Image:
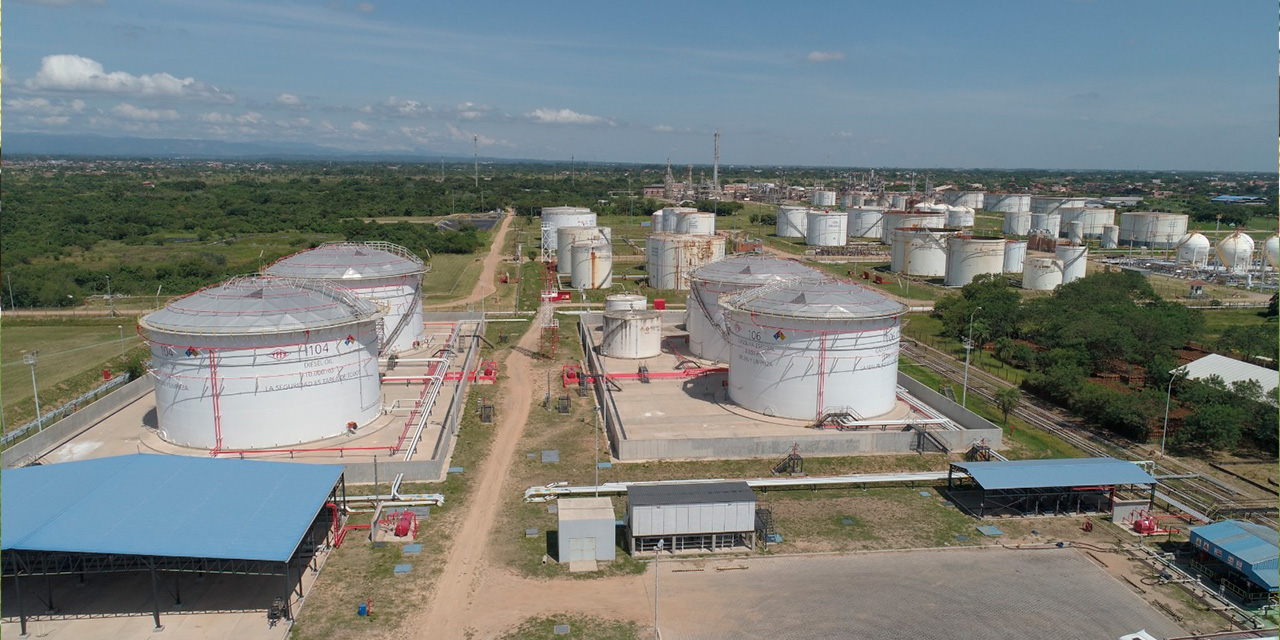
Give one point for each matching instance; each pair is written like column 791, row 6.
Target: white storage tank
column 802, row 348
column 920, row 251
column 656, row 225
column 1041, row 274
column 823, row 198
column 386, row 274
column 671, row 257
column 1093, row 219
column 262, row 362
column 1017, row 223
column 792, row 222
column 671, row 218
column 702, row 223
column 970, row 199
column 566, row 237
column 865, row 222
column 626, row 302
column 1047, row 222
column 704, row 315
column 898, row 219
column 931, row 207
column 1154, row 229
column 631, row 334
column 1015, row 253
column 592, row 265
column 1007, row 202
column 959, row 217
column 1110, row 236
column 897, row 201
column 971, row 256
column 1075, row 232
column 1236, row 252
column 555, row 217
column 826, row 228
column 1272, row 248
column 1194, row 250
column 1074, row 258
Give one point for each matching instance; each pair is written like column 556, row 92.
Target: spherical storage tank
column 970, row 256
column 865, row 222
column 625, row 302
column 826, row 228
column 261, row 361
column 701, row 223
column 898, row 219
column 959, row 217
column 592, row 265
column 1017, row 223
column 1015, row 253
column 555, row 217
column 1046, row 222
column 823, row 198
column 1041, row 274
column 386, row 274
column 1007, row 202
column 704, row 318
column 1194, row 250
column 631, row 334
column 919, row 251
column 1272, row 249
column 801, row 348
column 1152, row 228
column 671, row 257
column 1236, row 252
column 566, row 237
column 1074, row 259
column 792, row 222
column 1092, row 219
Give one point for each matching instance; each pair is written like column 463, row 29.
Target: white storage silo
column 1194, row 250
column 707, row 283
column 1047, row 222
column 919, row 251
column 1041, row 274
column 702, row 223
column 971, row 256
column 823, row 198
column 626, row 302
column 1017, row 223
column 826, row 228
column 959, row 217
column 802, row 348
column 1093, row 219
column 1075, row 232
column 555, row 217
column 970, row 199
column 1236, row 252
column 592, row 266
column 865, row 222
column 1154, row 229
column 892, row 220
column 386, row 274
column 671, row 257
column 1074, row 258
column 260, row 362
column 1110, row 236
column 1007, row 202
column 792, row 222
column 1272, row 250
column 1015, row 253
column 566, row 237
column 631, row 334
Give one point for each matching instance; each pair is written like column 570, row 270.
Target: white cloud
column 65, row 72
column 214, row 117
column 662, row 128
column 399, row 107
column 140, row 114
column 365, row 7
column 467, row 136
column 825, row 56
column 54, row 120
column 360, row 127
column 44, row 107
column 289, row 100
column 563, row 116
column 844, row 134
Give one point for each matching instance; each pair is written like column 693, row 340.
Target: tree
column 1250, row 340
column 1007, row 401
column 1213, row 427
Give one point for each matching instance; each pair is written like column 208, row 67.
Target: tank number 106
column 314, row 349
column 754, row 335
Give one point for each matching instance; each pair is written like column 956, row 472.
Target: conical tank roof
column 820, row 299
column 260, row 305
column 348, row 261
column 752, row 270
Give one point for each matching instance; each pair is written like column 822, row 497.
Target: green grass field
column 451, row 276
column 1218, row 320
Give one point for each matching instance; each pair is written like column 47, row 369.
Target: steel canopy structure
column 1049, row 486
column 1247, row 549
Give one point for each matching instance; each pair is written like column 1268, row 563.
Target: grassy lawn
column 925, row 328
column 580, row 628
column 451, row 276
column 1218, row 320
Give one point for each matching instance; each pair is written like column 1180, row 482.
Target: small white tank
column 792, row 222
column 566, row 237
column 897, row 201
column 592, row 265
column 631, row 334
column 899, row 219
column 671, row 217
column 1017, row 223
column 1110, row 236
column 1074, row 259
column 1194, row 250
column 919, row 251
column 1015, row 253
column 1041, row 274
column 1236, row 252
column 865, row 222
column 625, row 302
column 826, row 228
column 1272, row 249
column 959, row 217
column 1075, row 232
column 823, row 198
column 656, row 225
column 699, row 223
column 1047, row 222
column 970, row 256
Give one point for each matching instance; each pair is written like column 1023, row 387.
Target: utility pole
column 1168, row 395
column 121, row 328
column 158, row 296
column 476, row 158
column 968, row 347
column 10, row 277
column 30, row 359
column 656, row 551
column 715, row 169
column 110, row 302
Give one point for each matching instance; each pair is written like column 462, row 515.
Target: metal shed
column 1036, row 487
column 1241, row 556
column 587, row 529
column 696, row 515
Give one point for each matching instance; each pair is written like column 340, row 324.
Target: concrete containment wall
column 974, row 426
column 76, row 424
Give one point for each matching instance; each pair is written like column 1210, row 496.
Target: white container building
column 865, row 222
column 671, row 257
column 592, row 265
column 919, row 251
column 704, row 317
column 826, row 228
column 1155, row 229
column 1007, row 202
column 263, row 362
column 555, row 217
column 803, row 348
column 1015, row 254
column 792, row 222
column 1074, row 258
column 587, row 529
column 971, row 256
column 1041, row 274
column 631, row 334
column 705, row 516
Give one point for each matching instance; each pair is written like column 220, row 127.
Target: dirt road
column 484, row 286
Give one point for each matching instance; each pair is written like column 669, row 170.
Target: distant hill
column 103, row 146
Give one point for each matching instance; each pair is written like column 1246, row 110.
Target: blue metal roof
column 174, row 506
column 1065, row 472
column 1249, row 548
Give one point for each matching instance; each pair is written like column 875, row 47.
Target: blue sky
column 1053, row 84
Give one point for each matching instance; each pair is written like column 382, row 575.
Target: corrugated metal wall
column 684, row 519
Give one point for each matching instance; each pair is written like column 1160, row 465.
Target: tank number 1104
column 315, row 349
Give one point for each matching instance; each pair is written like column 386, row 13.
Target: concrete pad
column 582, row 566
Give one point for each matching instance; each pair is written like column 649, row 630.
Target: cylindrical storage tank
column 792, row 222
column 1017, row 223
column 626, row 302
column 919, row 251
column 1041, row 274
column 1110, row 236
column 1093, row 219
column 386, row 274
column 1007, row 202
column 260, row 362
column 1015, row 253
column 592, row 265
column 1194, row 250
column 671, row 217
column 1046, row 204
column 971, row 199
column 631, row 334
column 671, row 257
column 826, row 228
column 1075, row 232
column 566, row 237
column 846, row 200
column 1074, row 259
column 931, row 207
column 656, row 225
column 823, row 198
column 899, row 219
column 1272, row 250
column 705, row 317
column 803, row 348
column 1047, row 222
column 1154, row 229
column 970, row 256
column 555, row 217
column 1236, row 252
column 959, row 217
column 865, row 222
column 897, row 201
column 702, row 223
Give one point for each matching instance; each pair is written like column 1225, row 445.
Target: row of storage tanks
column 958, row 257
column 583, row 250
column 681, row 240
column 1235, row 252
column 287, row 356
column 797, row 343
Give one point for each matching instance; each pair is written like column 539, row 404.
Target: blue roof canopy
column 1249, row 548
column 1066, row 472
column 173, row 506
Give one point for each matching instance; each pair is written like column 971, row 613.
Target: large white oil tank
column 671, row 257
column 970, row 199
column 1015, row 253
column 1041, row 274
column 555, row 217
column 1194, row 250
column 971, row 256
column 702, row 223
column 1007, row 202
column 1017, row 223
column 704, row 316
column 656, row 225
column 865, row 222
column 826, row 228
column 823, row 198
column 1074, row 258
column 1272, row 250
column 1093, row 219
column 592, row 265
column 919, row 251
column 1048, row 222
column 899, row 219
column 566, row 237
column 959, row 217
column 1236, row 252
column 792, row 221
column 1110, row 236
column 386, row 274
column 626, row 302
column 671, row 218
column 803, row 348
column 846, row 200
column 261, row 362
column 1154, row 229
column 631, row 334
column 930, row 207
column 1075, row 232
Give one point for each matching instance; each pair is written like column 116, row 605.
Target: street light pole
column 111, row 303
column 656, row 551
column 968, row 346
column 1168, row 395
column 30, row 359
column 121, row 328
